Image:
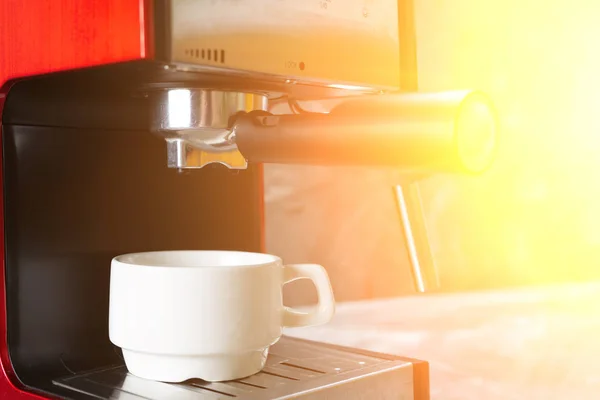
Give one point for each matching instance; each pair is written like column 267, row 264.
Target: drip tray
column 295, row 369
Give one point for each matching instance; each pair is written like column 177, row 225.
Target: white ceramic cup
column 211, row 315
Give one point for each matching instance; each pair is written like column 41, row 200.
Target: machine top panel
column 325, row 42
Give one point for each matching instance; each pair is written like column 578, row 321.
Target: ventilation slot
column 279, row 376
column 214, row 55
column 303, row 368
column 252, row 384
column 212, row 390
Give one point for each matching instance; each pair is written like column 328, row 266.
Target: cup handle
column 323, row 311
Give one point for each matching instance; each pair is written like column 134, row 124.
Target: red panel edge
column 39, row 37
column 147, row 32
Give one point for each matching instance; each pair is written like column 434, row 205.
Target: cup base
column 211, row 368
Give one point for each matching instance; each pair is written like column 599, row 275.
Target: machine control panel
column 353, row 43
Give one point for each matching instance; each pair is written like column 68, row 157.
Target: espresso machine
column 139, row 125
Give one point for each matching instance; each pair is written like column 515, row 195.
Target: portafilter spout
column 197, row 124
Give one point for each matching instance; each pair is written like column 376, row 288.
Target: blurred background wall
column 534, row 218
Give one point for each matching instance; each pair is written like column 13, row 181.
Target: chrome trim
column 197, row 124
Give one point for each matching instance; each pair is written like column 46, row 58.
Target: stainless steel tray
column 295, row 369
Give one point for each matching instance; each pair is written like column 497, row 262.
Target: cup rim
column 269, row 260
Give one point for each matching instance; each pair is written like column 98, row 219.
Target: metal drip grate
column 295, row 368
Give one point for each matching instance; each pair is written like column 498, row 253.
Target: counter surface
column 529, row 344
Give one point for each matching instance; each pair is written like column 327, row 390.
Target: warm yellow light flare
column 535, row 216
